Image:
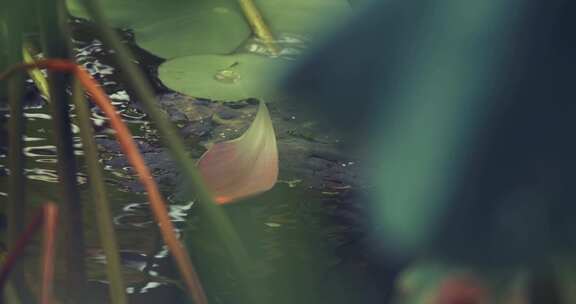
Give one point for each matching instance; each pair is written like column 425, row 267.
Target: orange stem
column 50, row 211
column 18, row 250
column 47, row 217
column 129, row 148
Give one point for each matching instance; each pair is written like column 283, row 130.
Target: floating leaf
column 243, row 166
column 303, row 17
column 179, row 28
column 227, row 78
column 213, row 27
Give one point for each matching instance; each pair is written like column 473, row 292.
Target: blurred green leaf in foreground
column 465, row 112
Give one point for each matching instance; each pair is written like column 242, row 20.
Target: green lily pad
column 217, row 77
column 303, row 17
column 178, row 28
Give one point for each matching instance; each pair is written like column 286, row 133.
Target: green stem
column 17, row 198
column 16, row 207
column 258, row 25
column 56, row 44
column 135, row 79
column 3, row 56
column 98, row 195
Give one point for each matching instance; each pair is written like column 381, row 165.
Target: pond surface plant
column 227, row 171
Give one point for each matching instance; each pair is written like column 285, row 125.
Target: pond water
column 306, row 234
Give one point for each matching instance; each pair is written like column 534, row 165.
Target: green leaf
column 243, row 166
column 179, row 28
column 418, row 78
column 224, row 232
column 100, row 198
column 225, row 78
column 213, row 27
column 303, row 17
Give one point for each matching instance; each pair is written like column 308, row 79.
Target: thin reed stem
column 56, row 44
column 211, row 212
column 50, row 217
column 259, row 26
column 18, row 249
column 130, row 149
column 100, row 199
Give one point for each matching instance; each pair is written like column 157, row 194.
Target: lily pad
column 179, row 28
column 217, row 77
column 303, row 17
column 213, row 27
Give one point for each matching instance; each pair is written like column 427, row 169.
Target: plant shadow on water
column 286, row 232
column 305, row 234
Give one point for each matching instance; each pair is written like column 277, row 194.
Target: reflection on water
column 291, row 45
column 290, row 237
column 40, row 151
column 45, row 175
column 288, row 231
column 136, row 232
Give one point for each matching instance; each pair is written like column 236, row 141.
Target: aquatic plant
column 206, row 42
column 55, row 40
column 45, row 218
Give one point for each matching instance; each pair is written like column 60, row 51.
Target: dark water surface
column 306, row 234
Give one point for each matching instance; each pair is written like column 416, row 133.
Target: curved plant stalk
column 258, row 25
column 139, row 85
column 129, row 147
column 98, row 195
column 50, row 218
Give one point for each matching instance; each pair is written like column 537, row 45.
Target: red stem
column 49, row 251
column 19, row 247
column 124, row 137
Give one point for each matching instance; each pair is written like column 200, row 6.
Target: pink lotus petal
column 243, row 166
